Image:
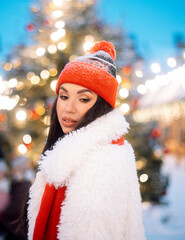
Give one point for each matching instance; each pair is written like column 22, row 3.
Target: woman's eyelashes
column 63, row 97
column 83, row 99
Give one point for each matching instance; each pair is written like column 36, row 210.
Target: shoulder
column 111, row 163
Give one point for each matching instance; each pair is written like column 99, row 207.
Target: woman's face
column 72, row 104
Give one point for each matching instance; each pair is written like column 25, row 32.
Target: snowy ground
column 167, row 222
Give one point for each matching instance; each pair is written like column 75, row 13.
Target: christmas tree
column 59, row 32
column 149, row 151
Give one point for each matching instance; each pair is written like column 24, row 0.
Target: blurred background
column 38, row 37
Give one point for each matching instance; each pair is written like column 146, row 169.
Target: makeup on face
column 72, row 104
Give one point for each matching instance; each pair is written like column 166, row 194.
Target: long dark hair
column 100, row 108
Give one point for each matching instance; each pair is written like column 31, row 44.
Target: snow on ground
column 167, row 221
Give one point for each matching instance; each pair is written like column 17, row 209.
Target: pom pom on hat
column 95, row 71
column 104, row 46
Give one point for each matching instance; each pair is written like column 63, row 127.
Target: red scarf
column 50, row 210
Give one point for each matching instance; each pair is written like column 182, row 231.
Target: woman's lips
column 68, row 122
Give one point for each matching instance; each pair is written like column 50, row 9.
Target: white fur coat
column 102, row 197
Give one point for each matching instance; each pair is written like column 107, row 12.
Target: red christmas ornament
column 34, row 115
column 30, row 27
column 2, row 117
column 134, row 103
column 46, row 22
column 126, row 70
column 156, row 132
column 166, row 150
column 29, row 145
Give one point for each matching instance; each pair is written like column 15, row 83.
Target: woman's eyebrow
column 65, row 90
column 85, row 90
column 80, row 91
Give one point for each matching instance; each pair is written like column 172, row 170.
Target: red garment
column 49, row 213
column 50, row 209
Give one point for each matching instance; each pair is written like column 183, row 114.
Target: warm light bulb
column 125, row 108
column 123, row 92
column 52, row 49
column 118, row 78
column 53, row 72
column 35, row 79
column 53, row 85
column 58, row 3
column 40, row 51
column 61, row 45
column 57, row 13
column 27, row 139
column 21, row 115
column 12, row 82
column 87, row 46
column 55, row 36
column 30, row 75
column 44, row 74
column 143, row 178
column 155, row 67
column 22, row 148
column 141, row 89
column 139, row 73
column 59, row 24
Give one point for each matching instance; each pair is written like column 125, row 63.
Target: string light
column 139, row 73
column 12, row 82
column 52, row 49
column 118, row 78
column 30, row 75
column 143, row 178
column 53, row 85
column 40, row 51
column 19, row 86
column 59, row 24
column 166, row 112
column 47, row 120
column 55, row 36
column 141, row 89
column 155, row 67
column 44, row 74
column 35, row 79
column 87, row 46
column 27, row 139
column 123, row 92
column 21, row 115
column 61, row 46
column 58, row 3
column 125, row 108
column 58, row 13
column 22, row 148
column 53, row 72
column 7, row 103
column 7, row 66
column 89, row 38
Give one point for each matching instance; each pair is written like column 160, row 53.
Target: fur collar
column 67, row 155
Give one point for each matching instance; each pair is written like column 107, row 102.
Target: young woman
column 86, row 187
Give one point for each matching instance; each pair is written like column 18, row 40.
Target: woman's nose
column 70, row 106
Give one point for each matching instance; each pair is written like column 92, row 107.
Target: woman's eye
column 63, row 97
column 85, row 100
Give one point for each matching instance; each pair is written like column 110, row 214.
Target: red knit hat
column 95, row 71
